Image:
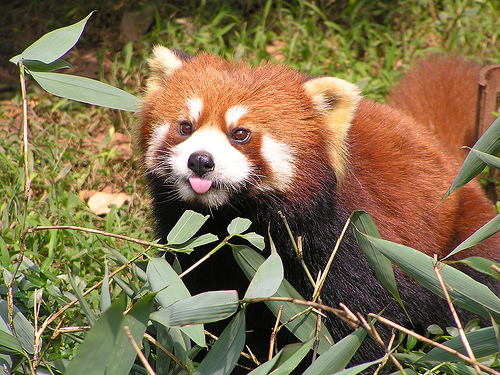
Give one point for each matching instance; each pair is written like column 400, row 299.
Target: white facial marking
column 155, row 145
column 234, row 113
column 195, row 106
column 280, row 158
column 231, row 168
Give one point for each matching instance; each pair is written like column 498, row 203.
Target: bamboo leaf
column 255, row 239
column 186, row 227
column 93, row 355
column 267, row 278
column 24, row 330
column 483, row 343
column 487, row 230
column 203, row 308
column 38, row 66
column 291, row 356
column 86, row 90
column 338, row 356
column 238, row 225
column 223, row 356
column 363, row 223
column 105, row 294
column 89, row 314
column 204, row 239
column 491, row 160
column 54, row 44
column 304, row 327
column 123, row 356
column 473, row 165
column 357, row 369
column 169, row 289
column 9, row 344
column 464, row 291
column 482, row 265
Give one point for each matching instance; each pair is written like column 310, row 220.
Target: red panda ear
column 337, row 100
column 162, row 63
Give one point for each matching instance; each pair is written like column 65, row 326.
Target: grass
column 76, row 148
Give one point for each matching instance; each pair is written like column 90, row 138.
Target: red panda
column 230, row 140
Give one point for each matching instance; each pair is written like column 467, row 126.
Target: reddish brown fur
column 399, row 172
column 441, row 94
column 225, row 85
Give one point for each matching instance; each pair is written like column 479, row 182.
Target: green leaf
column 87, row 310
column 267, row 279
column 10, row 345
column 203, row 308
column 487, row 230
column 363, row 223
column 338, row 356
column 93, row 355
column 136, row 320
column 24, row 330
column 38, row 66
column 204, row 239
column 238, row 225
column 482, row 265
column 186, row 227
column 464, row 291
column 169, row 288
column 473, row 165
column 255, row 239
column 268, row 366
column 86, row 90
column 305, row 326
column 291, row 355
column 491, row 160
column 357, row 369
column 482, row 341
column 165, row 282
column 53, row 45
column 105, row 294
column 223, row 356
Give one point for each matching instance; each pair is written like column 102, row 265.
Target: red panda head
column 209, row 128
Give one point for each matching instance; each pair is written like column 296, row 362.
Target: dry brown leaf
column 99, row 202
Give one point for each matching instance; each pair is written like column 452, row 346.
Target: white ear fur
column 162, row 63
column 337, row 100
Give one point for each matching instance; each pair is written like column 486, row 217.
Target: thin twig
column 274, row 333
column 250, row 356
column 151, row 339
column 456, row 318
column 54, row 316
column 319, row 285
column 138, row 351
column 436, row 344
column 208, row 255
column 298, row 248
column 100, row 232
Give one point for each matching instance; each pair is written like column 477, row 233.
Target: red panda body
column 230, row 140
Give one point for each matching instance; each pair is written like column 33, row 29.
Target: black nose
column 201, row 163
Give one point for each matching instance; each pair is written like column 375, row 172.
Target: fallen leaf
column 100, row 202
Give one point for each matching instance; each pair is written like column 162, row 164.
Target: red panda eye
column 241, row 135
column 185, row 127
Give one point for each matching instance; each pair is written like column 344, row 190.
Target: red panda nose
column 201, row 163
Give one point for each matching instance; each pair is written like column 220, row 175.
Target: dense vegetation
column 76, row 150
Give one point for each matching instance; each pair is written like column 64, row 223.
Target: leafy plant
column 47, row 269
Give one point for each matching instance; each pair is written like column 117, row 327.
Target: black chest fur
column 319, row 222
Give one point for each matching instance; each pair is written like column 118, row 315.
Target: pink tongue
column 200, row 185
